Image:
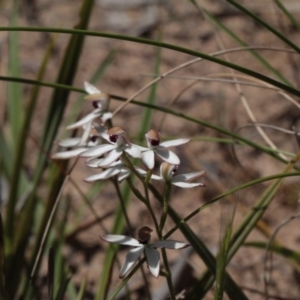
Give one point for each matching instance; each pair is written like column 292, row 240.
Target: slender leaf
column 163, row 45
column 265, row 24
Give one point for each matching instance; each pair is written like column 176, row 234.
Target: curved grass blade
column 254, row 53
column 281, row 250
column 288, row 14
column 163, row 45
column 265, row 24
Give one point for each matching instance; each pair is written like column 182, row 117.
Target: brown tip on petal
column 117, row 130
column 153, row 135
column 97, row 97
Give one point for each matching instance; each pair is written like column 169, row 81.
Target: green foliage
column 38, row 215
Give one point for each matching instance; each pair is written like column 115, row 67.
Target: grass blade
column 15, row 107
column 163, row 45
column 265, row 24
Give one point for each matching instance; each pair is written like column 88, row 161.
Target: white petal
column 70, row 142
column 93, row 163
column 173, row 143
column 130, row 260
column 101, row 130
column 111, row 157
column 153, row 260
column 148, row 159
column 106, row 116
column 121, row 239
column 169, row 244
column 68, row 154
column 142, row 148
column 87, row 119
column 85, row 134
column 133, row 151
column 124, row 173
column 141, row 171
column 155, row 177
column 98, row 150
column 104, row 175
column 167, row 156
column 188, row 176
column 90, row 89
column 187, row 185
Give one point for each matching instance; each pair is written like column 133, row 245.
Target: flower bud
column 115, row 133
column 153, row 138
column 167, row 171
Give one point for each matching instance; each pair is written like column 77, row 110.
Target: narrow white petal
column 167, row 156
column 68, row 154
column 85, row 134
column 148, row 159
column 155, row 177
column 169, row 244
column 111, row 157
column 98, row 150
column 142, row 148
column 141, row 171
column 70, row 142
column 90, row 89
column 187, row 176
column 130, row 260
column 103, row 175
column 93, row 163
column 153, row 260
column 121, row 239
column 124, row 173
column 87, row 119
column 187, row 185
column 106, row 116
column 133, row 151
column 173, row 143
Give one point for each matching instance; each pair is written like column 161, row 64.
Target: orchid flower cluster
column 109, row 149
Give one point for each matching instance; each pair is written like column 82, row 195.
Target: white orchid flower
column 119, row 143
column 73, row 142
column 116, row 168
column 167, row 172
column 100, row 103
column 155, row 146
column 142, row 245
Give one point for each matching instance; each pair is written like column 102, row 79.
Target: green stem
column 165, row 206
column 163, row 45
column 168, row 274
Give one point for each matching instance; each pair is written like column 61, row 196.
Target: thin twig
column 268, row 254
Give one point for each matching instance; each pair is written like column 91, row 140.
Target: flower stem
column 168, row 274
column 165, row 206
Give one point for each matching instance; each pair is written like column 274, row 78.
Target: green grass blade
column 281, row 250
column 2, row 262
column 81, row 293
column 288, row 14
column 112, row 248
column 146, row 119
column 17, row 173
column 265, row 24
column 254, row 53
column 15, row 101
column 163, row 45
column 232, row 289
column 51, row 272
column 66, row 76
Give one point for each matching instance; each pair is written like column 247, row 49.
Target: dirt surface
column 218, row 103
